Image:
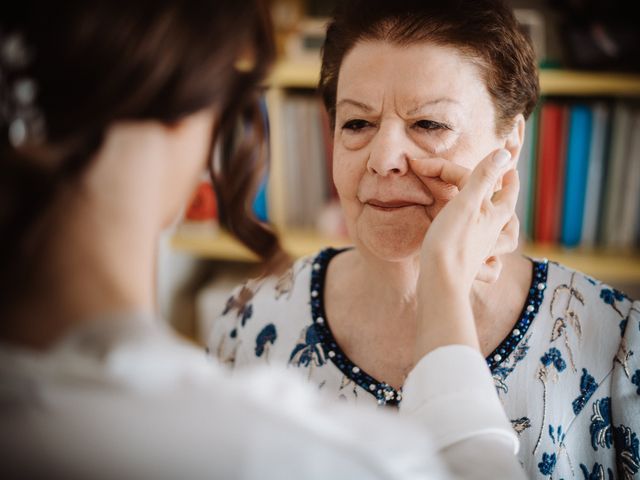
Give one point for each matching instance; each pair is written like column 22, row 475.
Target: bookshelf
column 622, row 267
column 286, row 75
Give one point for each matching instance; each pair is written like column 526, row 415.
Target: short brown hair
column 484, row 30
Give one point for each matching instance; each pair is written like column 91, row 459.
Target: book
column 631, row 189
column 575, row 184
column 614, row 191
column 598, row 153
column 292, row 169
column 526, row 165
column 551, row 148
column 532, row 184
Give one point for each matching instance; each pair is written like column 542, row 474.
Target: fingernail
column 502, row 157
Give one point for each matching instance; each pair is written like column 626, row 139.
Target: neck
column 390, row 282
column 100, row 260
column 393, row 286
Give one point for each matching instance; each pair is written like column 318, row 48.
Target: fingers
column 490, row 270
column 507, row 242
column 484, row 177
column 505, row 200
column 508, row 239
column 439, row 168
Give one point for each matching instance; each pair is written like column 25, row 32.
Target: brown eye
column 355, row 125
column 430, row 125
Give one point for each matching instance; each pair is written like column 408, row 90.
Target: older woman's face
column 395, row 103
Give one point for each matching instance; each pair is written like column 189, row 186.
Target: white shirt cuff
column 451, row 392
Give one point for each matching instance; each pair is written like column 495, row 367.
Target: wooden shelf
column 222, row 246
column 567, row 82
column 606, row 266
column 287, row 74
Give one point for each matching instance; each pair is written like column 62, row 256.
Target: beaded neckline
column 383, row 392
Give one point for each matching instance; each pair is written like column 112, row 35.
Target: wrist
column 444, row 313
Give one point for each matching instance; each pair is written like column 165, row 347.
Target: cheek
column 348, row 169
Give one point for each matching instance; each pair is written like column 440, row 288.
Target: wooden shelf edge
column 605, row 266
column 291, row 74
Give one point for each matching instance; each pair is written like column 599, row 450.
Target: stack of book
column 580, row 175
column 307, row 159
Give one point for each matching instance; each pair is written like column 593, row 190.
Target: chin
column 392, row 244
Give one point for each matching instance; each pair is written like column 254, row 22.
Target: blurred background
column 585, row 214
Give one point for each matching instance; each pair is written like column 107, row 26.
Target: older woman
column 407, row 83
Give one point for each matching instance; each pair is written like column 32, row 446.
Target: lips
column 391, row 204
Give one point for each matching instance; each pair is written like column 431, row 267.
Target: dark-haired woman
column 408, row 83
column 108, row 113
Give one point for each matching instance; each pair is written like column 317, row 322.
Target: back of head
column 485, row 31
column 69, row 72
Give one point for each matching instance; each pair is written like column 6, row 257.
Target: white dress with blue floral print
column 568, row 374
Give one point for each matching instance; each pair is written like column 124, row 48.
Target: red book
column 550, row 175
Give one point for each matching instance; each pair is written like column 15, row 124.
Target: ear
column 514, row 140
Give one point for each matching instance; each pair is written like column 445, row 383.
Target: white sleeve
column 451, row 426
column 450, row 393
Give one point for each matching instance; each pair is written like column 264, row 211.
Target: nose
column 390, row 150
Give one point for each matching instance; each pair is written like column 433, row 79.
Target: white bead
column 497, row 357
column 320, row 320
column 316, row 266
column 314, row 293
column 372, row 387
column 530, row 308
column 332, row 354
column 516, row 332
column 355, row 370
column 541, row 286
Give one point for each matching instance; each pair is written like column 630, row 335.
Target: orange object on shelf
column 203, row 205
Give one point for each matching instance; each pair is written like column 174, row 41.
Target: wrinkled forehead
column 375, row 71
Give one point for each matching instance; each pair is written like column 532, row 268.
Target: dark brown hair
column 485, row 31
column 97, row 62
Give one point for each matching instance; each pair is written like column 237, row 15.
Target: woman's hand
column 449, row 178
column 459, row 241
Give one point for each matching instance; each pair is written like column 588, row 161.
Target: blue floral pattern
column 547, row 464
column 627, row 456
column 553, row 357
column 267, row 335
column 600, row 427
column 309, row 350
column 568, row 373
column 596, row 473
column 588, row 386
column 635, row 379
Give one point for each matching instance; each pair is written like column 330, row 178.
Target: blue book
column 577, row 166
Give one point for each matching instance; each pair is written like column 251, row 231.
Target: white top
column 125, row 398
column 568, row 373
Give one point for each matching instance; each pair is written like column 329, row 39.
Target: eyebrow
column 432, row 102
column 367, row 108
column 360, row 105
